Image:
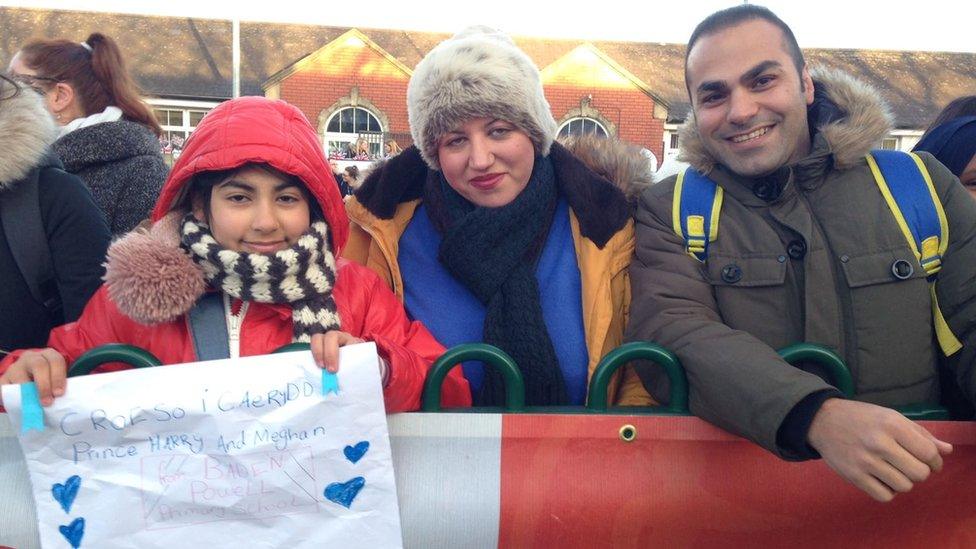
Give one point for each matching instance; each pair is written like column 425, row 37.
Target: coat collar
column 26, row 132
column 848, row 118
column 599, row 205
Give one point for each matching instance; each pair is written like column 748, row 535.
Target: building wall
column 326, row 81
column 629, row 111
column 583, row 82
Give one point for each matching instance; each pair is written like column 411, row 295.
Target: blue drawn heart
column 73, row 532
column 65, row 493
column 356, row 453
column 344, row 492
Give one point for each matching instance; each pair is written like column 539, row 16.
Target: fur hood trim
column 582, row 174
column 149, row 277
column 617, row 161
column 855, row 121
column 26, row 132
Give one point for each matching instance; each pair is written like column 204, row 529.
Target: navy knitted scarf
column 494, row 252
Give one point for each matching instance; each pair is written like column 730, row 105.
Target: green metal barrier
column 137, row 357
column 640, row 350
column 840, row 377
column 292, row 347
column 113, row 352
column 491, row 356
column 925, row 412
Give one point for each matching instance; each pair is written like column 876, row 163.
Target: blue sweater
column 455, row 316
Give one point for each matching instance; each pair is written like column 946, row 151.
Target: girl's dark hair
column 98, row 77
column 202, row 184
column 353, row 171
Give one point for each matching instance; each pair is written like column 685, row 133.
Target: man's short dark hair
column 736, row 15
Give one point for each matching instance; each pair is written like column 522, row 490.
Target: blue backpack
column 903, row 181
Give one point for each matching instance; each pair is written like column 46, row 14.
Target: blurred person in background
column 958, row 107
column 350, row 176
column 951, row 138
column 108, row 134
column 41, row 206
column 392, row 148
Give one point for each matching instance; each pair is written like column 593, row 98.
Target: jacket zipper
column 234, row 323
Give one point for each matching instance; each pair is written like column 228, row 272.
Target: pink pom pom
column 149, row 278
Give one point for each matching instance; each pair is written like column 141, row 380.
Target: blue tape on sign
column 30, row 406
column 330, row 383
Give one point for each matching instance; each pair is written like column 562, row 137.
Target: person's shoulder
column 53, row 181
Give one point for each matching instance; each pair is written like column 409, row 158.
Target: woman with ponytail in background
column 108, row 134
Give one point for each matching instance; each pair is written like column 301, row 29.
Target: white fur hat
column 478, row 72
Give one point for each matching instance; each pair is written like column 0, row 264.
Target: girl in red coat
column 249, row 216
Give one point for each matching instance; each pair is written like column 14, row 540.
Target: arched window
column 350, row 125
column 582, row 125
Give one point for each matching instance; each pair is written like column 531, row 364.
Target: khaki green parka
column 812, row 262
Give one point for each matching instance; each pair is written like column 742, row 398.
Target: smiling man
column 800, row 245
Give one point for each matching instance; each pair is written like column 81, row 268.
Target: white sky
column 935, row 25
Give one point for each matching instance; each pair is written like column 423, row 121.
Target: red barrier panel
column 571, row 481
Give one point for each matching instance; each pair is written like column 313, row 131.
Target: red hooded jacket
column 247, row 130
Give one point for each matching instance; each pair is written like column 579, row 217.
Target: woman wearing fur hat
column 492, row 233
column 249, row 222
column 50, row 205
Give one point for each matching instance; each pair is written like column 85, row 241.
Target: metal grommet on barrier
column 902, row 269
column 628, row 433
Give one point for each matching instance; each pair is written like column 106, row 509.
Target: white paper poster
column 245, row 453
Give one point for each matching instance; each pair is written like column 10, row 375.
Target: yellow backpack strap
column 695, row 212
column 907, row 188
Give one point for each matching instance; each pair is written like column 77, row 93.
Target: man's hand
column 875, row 448
column 46, row 368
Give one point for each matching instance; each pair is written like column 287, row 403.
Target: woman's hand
column 46, row 368
column 325, row 351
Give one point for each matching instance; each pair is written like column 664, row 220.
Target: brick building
column 351, row 83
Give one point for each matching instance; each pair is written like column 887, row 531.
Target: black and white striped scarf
column 302, row 275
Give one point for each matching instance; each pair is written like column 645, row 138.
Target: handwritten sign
column 248, row 453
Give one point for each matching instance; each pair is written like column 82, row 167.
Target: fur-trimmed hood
column 583, row 173
column 618, row 162
column 26, row 133
column 849, row 115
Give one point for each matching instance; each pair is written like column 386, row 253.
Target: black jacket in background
column 77, row 237
column 75, row 229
